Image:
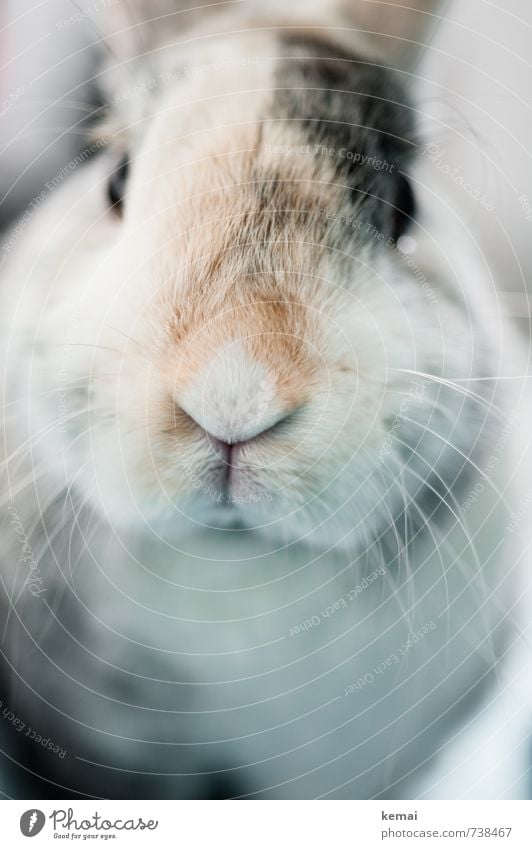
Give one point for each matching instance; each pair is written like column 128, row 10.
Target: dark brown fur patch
column 360, row 112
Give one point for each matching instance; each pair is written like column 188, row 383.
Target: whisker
column 459, row 451
column 450, row 385
column 117, row 330
column 469, row 544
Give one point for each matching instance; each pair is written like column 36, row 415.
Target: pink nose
column 228, row 448
column 227, row 425
column 234, row 399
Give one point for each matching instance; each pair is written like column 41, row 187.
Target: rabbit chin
column 278, row 514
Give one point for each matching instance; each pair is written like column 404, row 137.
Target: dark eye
column 116, row 187
column 405, row 208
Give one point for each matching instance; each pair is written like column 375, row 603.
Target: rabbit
column 258, row 466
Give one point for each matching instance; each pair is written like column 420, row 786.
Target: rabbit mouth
column 229, row 497
column 231, row 485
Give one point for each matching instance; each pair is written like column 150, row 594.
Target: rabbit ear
column 134, row 27
column 399, row 29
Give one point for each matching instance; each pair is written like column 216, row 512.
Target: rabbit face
column 245, row 316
